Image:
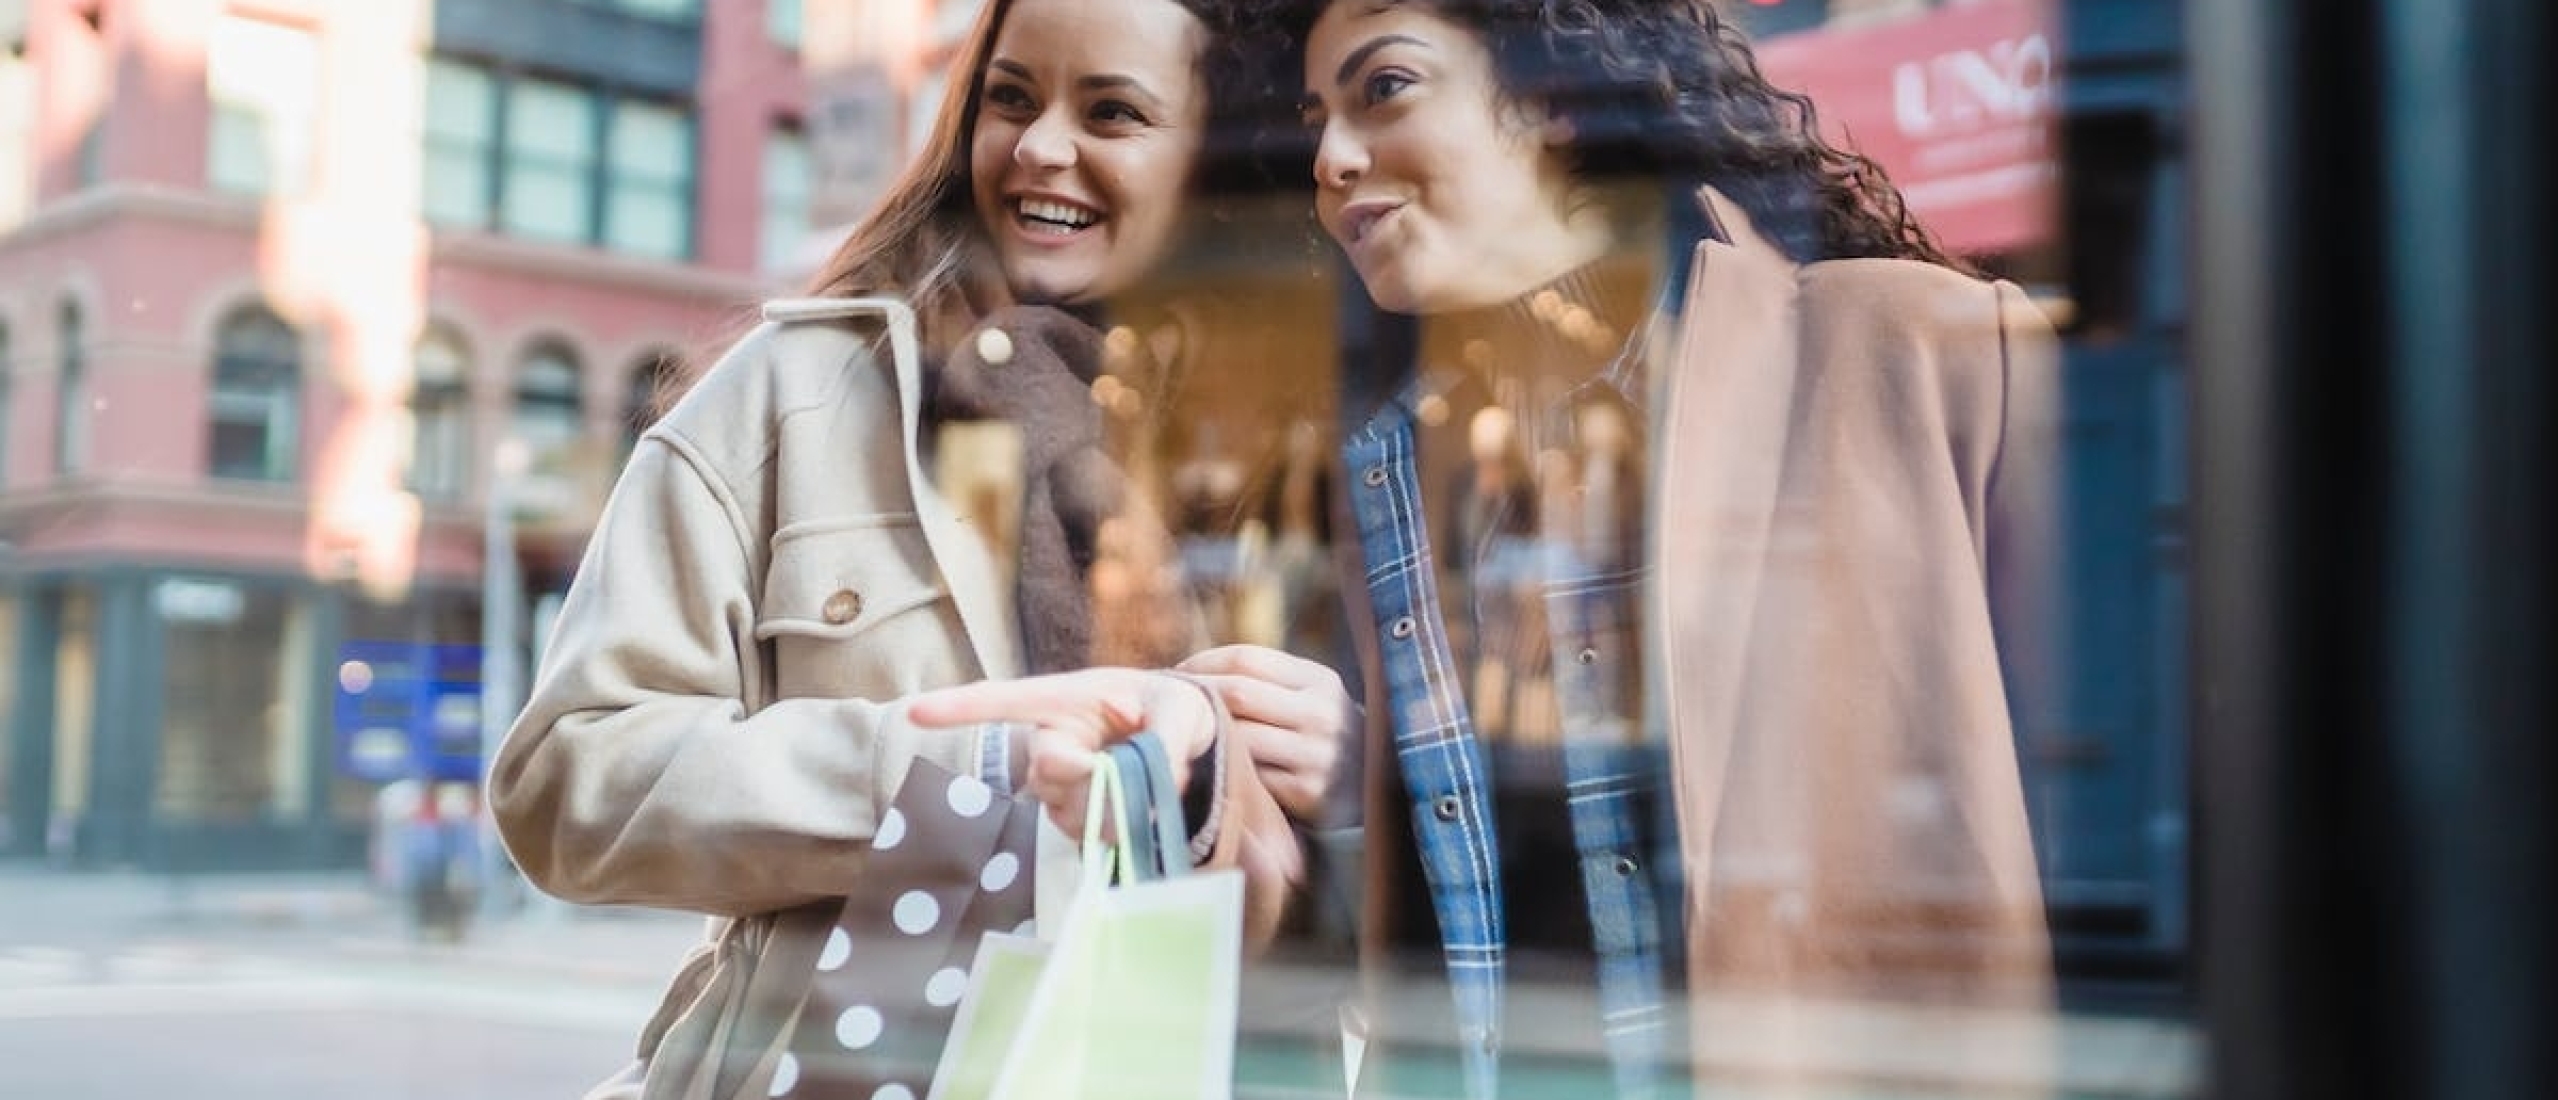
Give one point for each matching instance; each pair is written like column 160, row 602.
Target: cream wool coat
column 717, row 723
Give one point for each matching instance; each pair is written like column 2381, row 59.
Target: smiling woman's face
column 1087, row 128
column 1444, row 196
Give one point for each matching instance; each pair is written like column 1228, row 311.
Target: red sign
column 1957, row 105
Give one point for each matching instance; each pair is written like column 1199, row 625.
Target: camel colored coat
column 1853, row 531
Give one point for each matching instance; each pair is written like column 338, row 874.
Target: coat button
column 995, row 346
column 1402, row 627
column 843, row 607
column 1626, row 867
column 1446, row 808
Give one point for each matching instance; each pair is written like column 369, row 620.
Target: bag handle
column 1134, row 778
column 1162, row 838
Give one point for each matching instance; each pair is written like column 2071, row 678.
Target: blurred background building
column 296, row 296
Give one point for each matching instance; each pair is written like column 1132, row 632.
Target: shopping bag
column 951, row 862
column 1134, row 998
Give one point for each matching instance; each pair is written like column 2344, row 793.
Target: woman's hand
column 1069, row 716
column 1290, row 713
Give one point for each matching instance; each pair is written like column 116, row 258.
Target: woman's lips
column 1359, row 220
column 1044, row 216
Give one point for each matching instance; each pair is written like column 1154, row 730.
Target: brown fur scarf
column 1084, row 539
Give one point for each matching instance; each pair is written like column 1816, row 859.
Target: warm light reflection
column 347, row 252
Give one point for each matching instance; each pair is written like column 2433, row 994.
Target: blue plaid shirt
column 1592, row 607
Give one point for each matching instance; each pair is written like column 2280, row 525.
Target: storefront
column 183, row 719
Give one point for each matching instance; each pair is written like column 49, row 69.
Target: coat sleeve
column 637, row 774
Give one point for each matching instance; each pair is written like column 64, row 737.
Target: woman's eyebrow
column 1350, row 65
column 1126, row 85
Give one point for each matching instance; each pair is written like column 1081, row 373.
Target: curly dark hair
column 1666, row 89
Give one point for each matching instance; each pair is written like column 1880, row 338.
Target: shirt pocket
column 855, row 608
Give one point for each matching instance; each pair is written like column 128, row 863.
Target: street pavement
column 118, row 984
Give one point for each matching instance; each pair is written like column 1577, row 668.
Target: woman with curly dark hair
column 1787, row 545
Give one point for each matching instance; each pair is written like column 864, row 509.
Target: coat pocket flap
column 839, row 578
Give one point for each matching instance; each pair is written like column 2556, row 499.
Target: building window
column 557, row 161
column 550, row 414
column 71, row 396
column 263, row 80
column 548, row 176
column 232, row 738
column 257, row 392
column 439, row 444
column 787, row 184
column 781, row 21
column 649, row 209
column 460, row 144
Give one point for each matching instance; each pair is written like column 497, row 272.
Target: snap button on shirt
column 843, row 607
column 1445, row 807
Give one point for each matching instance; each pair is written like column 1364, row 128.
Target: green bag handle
column 1107, row 801
column 1131, row 778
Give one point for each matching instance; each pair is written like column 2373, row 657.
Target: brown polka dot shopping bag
column 951, row 861
column 1134, row 998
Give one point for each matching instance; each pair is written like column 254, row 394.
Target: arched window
column 549, row 410
column 439, row 444
column 257, row 397
column 71, row 396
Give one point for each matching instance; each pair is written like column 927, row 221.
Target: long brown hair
column 920, row 241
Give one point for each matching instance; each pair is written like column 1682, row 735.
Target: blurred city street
column 117, row 984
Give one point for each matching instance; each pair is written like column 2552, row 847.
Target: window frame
column 439, row 412
column 71, row 386
column 598, row 176
column 235, row 394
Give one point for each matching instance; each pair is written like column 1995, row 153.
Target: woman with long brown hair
column 725, row 707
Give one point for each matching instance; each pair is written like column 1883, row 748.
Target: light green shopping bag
column 1135, row 997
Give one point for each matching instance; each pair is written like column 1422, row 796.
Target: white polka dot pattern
column 839, row 947
column 951, row 859
column 1000, row 872
column 969, row 798
column 917, row 913
column 859, row 1027
column 946, row 987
